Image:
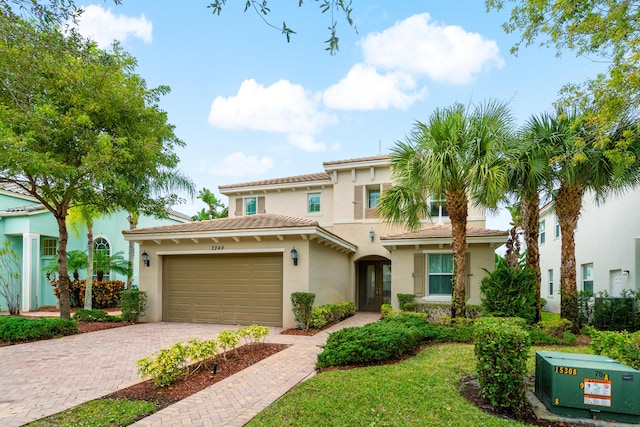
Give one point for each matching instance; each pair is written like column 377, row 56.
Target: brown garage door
column 230, row 289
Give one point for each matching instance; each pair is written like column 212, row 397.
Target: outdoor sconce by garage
column 145, row 259
column 294, row 256
column 372, row 235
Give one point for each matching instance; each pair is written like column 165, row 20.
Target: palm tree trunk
column 88, row 292
column 133, row 224
column 457, row 207
column 530, row 205
column 63, row 274
column 568, row 205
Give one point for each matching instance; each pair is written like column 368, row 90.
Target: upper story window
column 587, row 277
column 438, row 208
column 557, row 228
column 373, row 197
column 49, row 247
column 313, row 203
column 250, row 206
column 542, row 231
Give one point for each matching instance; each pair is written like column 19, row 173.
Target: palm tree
column 76, row 260
column 103, row 262
column 211, row 200
column 453, row 156
column 86, row 215
column 512, row 255
column 529, row 175
column 581, row 163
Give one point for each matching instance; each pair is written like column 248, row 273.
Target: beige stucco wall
column 295, row 279
column 329, row 275
column 480, row 256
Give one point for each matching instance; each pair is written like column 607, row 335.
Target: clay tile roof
column 174, row 213
column 29, row 208
column 321, row 176
column 443, row 231
column 13, row 188
column 249, row 222
column 356, row 160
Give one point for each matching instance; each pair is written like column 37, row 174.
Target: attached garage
column 231, row 289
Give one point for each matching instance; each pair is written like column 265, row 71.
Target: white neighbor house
column 607, row 241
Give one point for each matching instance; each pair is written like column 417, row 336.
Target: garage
column 226, row 288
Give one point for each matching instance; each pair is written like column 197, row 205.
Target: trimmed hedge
column 331, row 313
column 502, row 349
column 621, row 346
column 82, row 315
column 104, row 294
column 18, row 329
column 302, row 305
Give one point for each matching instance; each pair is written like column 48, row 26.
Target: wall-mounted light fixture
column 372, row 235
column 294, row 256
column 145, row 259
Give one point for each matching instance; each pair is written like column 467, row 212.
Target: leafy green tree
column 103, row 262
column 77, row 125
column 455, row 155
column 603, row 30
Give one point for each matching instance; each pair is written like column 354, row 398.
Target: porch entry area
column 374, row 283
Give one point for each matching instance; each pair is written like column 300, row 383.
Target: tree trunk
column 88, row 292
column 530, row 205
column 568, row 205
column 63, row 274
column 133, row 224
column 457, row 207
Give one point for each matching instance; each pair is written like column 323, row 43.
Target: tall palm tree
column 454, row 155
column 512, row 255
column 104, row 262
column 582, row 163
column 212, row 202
column 85, row 215
column 529, row 175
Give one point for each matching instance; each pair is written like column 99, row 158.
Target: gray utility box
column 588, row 386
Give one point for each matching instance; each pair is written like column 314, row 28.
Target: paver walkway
column 43, row 378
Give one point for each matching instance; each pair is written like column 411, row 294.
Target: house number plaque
column 217, row 247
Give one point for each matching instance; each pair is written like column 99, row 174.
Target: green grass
column 418, row 391
column 99, row 413
column 547, row 315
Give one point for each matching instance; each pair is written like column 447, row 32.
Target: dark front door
column 374, row 284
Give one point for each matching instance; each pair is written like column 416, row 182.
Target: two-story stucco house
column 607, row 247
column 313, row 233
column 33, row 233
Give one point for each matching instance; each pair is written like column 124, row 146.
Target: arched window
column 101, row 248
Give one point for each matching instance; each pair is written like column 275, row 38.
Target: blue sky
column 251, row 106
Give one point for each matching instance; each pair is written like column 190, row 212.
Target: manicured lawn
column 418, row 391
column 99, row 413
column 547, row 315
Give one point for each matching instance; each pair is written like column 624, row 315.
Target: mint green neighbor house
column 33, row 233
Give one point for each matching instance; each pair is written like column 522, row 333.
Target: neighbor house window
column 101, row 245
column 438, row 208
column 557, row 228
column 542, row 231
column 49, row 247
column 313, row 203
column 374, row 196
column 550, row 282
column 440, row 274
column 250, row 206
column 587, row 277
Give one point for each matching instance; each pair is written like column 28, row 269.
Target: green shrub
column 228, row 340
column 554, row 327
column 502, row 348
column 253, row 334
column 386, row 310
column 456, row 333
column 569, row 338
column 167, row 365
column 376, row 342
column 133, row 304
column 331, row 313
column 508, row 292
column 617, row 314
column 302, row 305
column 104, row 294
column 543, row 302
column 539, row 337
column 17, row 329
column 404, row 299
column 82, row 315
column 410, row 306
column 621, row 346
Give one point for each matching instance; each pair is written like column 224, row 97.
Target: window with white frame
column 542, row 232
column 101, row 248
column 373, row 196
column 313, row 202
column 550, row 274
column 250, row 206
column 49, row 247
column 440, row 274
column 438, row 208
column 587, row 277
column 557, row 228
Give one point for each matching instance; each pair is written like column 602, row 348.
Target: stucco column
column 30, row 268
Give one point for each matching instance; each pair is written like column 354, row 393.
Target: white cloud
column 238, row 164
column 102, row 26
column 443, row 53
column 364, row 88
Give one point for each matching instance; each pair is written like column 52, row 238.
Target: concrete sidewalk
column 46, row 377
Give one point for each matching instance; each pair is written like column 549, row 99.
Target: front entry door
column 374, row 289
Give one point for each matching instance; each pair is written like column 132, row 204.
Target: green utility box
column 588, row 386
